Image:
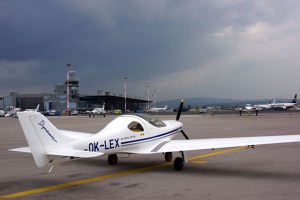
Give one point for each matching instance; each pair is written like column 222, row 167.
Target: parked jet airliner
column 285, row 105
column 159, row 109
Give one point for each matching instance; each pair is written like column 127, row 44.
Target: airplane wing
column 198, row 144
column 251, row 110
column 22, row 149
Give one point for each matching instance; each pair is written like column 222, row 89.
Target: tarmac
column 266, row 172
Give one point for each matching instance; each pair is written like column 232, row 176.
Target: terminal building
column 68, row 94
column 23, row 101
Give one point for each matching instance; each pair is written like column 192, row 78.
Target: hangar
column 112, row 102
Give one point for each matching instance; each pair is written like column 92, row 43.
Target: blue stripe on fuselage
column 150, row 138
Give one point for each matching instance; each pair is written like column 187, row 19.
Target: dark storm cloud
column 150, row 42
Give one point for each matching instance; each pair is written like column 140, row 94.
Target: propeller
column 183, row 133
column 178, row 117
column 179, row 109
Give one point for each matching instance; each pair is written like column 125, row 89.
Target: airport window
column 135, row 127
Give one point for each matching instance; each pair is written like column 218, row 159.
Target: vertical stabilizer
column 37, row 108
column 294, row 99
column 41, row 135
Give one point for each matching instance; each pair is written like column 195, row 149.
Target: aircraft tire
column 178, row 164
column 168, row 156
column 112, row 159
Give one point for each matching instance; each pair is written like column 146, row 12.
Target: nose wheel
column 112, row 159
column 178, row 164
column 179, row 161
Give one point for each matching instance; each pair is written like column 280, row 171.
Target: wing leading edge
column 198, row 144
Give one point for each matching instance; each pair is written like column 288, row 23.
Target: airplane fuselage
column 262, row 106
column 98, row 110
column 127, row 140
column 283, row 105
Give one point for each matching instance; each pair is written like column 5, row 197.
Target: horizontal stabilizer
column 22, row 149
column 74, row 153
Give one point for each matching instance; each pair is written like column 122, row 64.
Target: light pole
column 68, row 89
column 154, row 98
column 148, row 97
column 125, row 78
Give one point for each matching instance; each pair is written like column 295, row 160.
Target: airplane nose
column 180, row 125
column 177, row 124
column 173, row 123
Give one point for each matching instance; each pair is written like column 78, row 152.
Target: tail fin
column 37, row 108
column 166, row 107
column 294, row 99
column 41, row 135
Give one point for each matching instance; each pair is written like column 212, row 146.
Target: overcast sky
column 213, row 48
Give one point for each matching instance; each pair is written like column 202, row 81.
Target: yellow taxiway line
column 100, row 178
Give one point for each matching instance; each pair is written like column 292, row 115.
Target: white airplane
column 36, row 109
column 263, row 106
column 249, row 108
column 285, row 105
column 159, row 109
column 12, row 113
column 127, row 134
column 97, row 111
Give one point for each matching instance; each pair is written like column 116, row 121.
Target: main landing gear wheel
column 178, row 164
column 112, row 159
column 168, row 156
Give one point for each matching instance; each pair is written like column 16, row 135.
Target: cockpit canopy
column 152, row 120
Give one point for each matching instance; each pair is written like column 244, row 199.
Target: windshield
column 152, row 120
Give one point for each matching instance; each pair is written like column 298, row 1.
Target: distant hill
column 196, row 102
column 208, row 101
